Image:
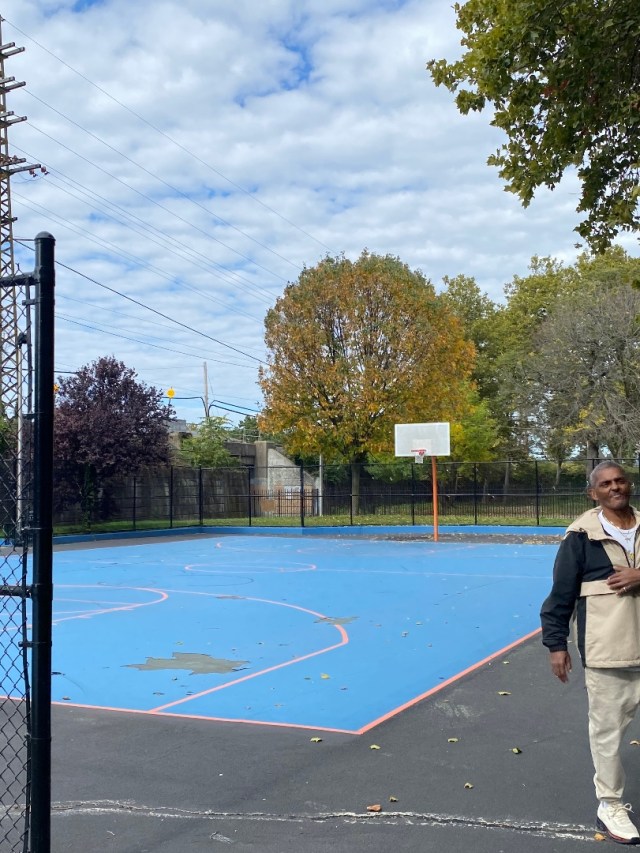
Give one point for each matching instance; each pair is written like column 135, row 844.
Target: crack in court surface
column 542, row 829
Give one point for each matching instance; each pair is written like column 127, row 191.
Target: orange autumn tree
column 355, row 347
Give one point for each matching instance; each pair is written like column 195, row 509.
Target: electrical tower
column 13, row 332
column 26, row 524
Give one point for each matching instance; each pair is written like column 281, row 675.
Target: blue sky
column 200, row 153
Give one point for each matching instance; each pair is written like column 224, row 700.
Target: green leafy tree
column 248, row 429
column 537, row 305
column 529, row 301
column 475, row 437
column 581, row 384
column 355, row 347
column 479, row 316
column 107, row 423
column 562, row 78
column 205, row 448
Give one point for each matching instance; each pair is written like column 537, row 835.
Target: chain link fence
column 26, row 462
column 15, row 610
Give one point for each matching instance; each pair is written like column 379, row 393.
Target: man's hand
column 560, row 665
column 624, row 579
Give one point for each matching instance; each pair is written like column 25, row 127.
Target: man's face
column 612, row 489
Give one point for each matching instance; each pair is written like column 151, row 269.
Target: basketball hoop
column 420, row 440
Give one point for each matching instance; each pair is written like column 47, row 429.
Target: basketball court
column 267, row 691
column 323, row 633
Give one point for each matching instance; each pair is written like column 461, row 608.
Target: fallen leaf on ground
column 468, row 785
column 374, row 746
column 503, row 693
column 324, row 675
column 516, row 750
column 393, row 799
column 376, row 808
column 452, row 740
column 599, row 837
column 316, row 740
column 634, row 742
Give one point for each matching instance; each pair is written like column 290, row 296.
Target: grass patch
column 336, row 520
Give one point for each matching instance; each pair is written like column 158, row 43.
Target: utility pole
column 11, row 299
column 206, row 390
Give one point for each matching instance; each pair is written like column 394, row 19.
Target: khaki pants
column 614, row 697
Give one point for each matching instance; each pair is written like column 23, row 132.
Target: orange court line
column 343, row 642
column 446, row 683
column 159, row 713
column 202, row 717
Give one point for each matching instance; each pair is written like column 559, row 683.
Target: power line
column 76, row 322
column 86, row 304
column 149, row 308
column 162, row 181
column 152, row 201
column 127, row 256
column 171, row 139
column 221, row 404
column 224, row 274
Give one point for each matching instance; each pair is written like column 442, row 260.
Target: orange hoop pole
column 434, row 481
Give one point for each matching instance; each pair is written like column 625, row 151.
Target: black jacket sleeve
column 559, row 605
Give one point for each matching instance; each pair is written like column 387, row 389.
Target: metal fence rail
column 531, row 492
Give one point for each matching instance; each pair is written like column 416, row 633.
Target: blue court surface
column 324, row 633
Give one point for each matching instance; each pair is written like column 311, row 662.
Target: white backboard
column 433, row 439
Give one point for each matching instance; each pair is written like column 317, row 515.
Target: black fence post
column 171, row 496
column 200, row 497
column 475, row 493
column 42, row 529
column 537, row 493
column 351, row 497
column 135, row 500
column 301, row 494
column 249, row 495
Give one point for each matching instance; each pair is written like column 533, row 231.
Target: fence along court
column 26, row 461
column 527, row 491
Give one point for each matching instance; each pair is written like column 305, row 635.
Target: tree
column 581, row 384
column 246, row 430
column 530, row 300
column 106, row 423
column 205, row 448
column 475, row 436
column 355, row 347
column 537, row 306
column 478, row 315
column 563, row 79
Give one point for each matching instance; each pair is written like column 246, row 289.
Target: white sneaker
column 613, row 818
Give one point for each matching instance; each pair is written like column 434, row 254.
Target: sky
column 200, row 153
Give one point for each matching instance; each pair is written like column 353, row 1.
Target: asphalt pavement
column 496, row 762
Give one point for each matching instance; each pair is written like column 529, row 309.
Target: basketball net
column 418, row 455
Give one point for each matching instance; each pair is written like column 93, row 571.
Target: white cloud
column 309, row 126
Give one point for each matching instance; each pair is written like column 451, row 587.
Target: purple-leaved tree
column 107, row 423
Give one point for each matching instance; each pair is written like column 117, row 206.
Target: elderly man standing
column 596, row 581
